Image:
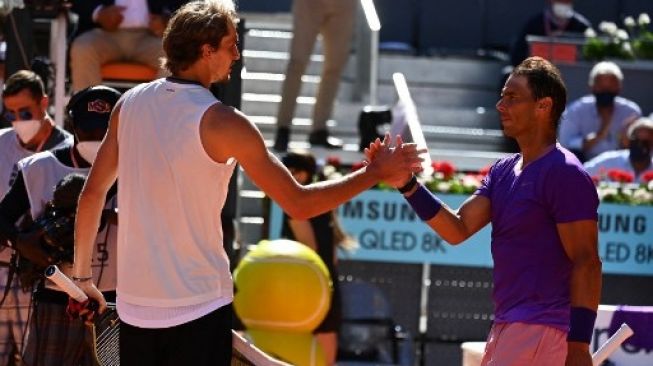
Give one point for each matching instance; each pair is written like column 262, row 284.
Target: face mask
column 26, row 130
column 88, row 150
column 640, row 151
column 605, row 99
column 563, row 11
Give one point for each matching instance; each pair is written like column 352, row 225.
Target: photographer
column 32, row 130
column 54, row 338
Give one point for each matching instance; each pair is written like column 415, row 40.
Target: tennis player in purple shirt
column 543, row 209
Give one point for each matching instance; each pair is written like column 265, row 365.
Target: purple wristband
column 581, row 325
column 425, row 204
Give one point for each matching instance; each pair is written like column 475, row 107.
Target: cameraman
column 32, row 130
column 54, row 338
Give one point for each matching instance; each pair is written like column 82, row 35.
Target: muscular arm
column 580, row 241
column 457, row 226
column 303, row 232
column 91, row 203
column 226, row 133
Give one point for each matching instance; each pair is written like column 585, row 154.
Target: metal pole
column 374, row 67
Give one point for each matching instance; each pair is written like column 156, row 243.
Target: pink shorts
column 519, row 344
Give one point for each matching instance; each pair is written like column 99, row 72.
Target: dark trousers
column 204, row 341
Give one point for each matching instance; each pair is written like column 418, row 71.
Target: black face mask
column 605, row 99
column 640, row 151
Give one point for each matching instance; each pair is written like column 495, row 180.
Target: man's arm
column 226, row 133
column 91, row 203
column 580, row 241
column 456, row 226
column 303, row 232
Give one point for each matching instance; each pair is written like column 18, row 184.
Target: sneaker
column 322, row 138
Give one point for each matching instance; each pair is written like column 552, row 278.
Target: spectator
column 596, row 123
column 558, row 17
column 112, row 30
column 54, row 337
column 334, row 19
column 637, row 159
column 323, row 234
column 33, row 130
column 25, row 105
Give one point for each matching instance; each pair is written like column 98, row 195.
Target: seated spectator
column 596, row 123
column 637, row 159
column 558, row 17
column 118, row 30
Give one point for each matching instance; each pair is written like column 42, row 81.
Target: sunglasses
column 24, row 114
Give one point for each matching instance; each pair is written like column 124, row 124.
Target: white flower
column 590, row 33
column 470, row 181
column 328, row 170
column 643, row 19
column 443, row 187
column 629, row 22
column 627, row 48
column 643, row 195
column 608, row 28
column 622, row 34
column 650, row 185
column 607, row 192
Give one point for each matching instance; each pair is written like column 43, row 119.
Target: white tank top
column 170, row 194
column 42, row 172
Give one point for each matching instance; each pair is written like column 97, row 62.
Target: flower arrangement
column 613, row 185
column 617, row 186
column 635, row 41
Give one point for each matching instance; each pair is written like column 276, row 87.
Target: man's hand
column 401, row 173
column 29, row 246
column 88, row 311
column 394, row 165
column 578, row 354
column 110, row 17
column 157, row 24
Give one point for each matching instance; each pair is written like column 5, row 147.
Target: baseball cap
column 90, row 108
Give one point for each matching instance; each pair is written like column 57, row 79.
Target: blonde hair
column 193, row 25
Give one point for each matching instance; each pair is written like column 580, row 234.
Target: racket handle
column 612, row 344
column 55, row 275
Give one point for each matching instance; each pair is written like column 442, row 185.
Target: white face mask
column 562, row 11
column 26, row 130
column 88, row 150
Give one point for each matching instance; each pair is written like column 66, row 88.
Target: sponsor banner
column 388, row 230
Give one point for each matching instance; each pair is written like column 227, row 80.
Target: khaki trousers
column 96, row 47
column 334, row 20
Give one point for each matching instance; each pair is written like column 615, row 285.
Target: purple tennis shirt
column 531, row 269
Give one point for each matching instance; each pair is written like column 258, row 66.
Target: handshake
column 395, row 163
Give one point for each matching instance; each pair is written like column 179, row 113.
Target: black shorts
column 204, row 341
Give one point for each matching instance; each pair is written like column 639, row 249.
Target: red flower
column 357, row 165
column 621, row 176
column 596, row 179
column 333, row 160
column 485, row 170
column 647, row 176
column 446, row 168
